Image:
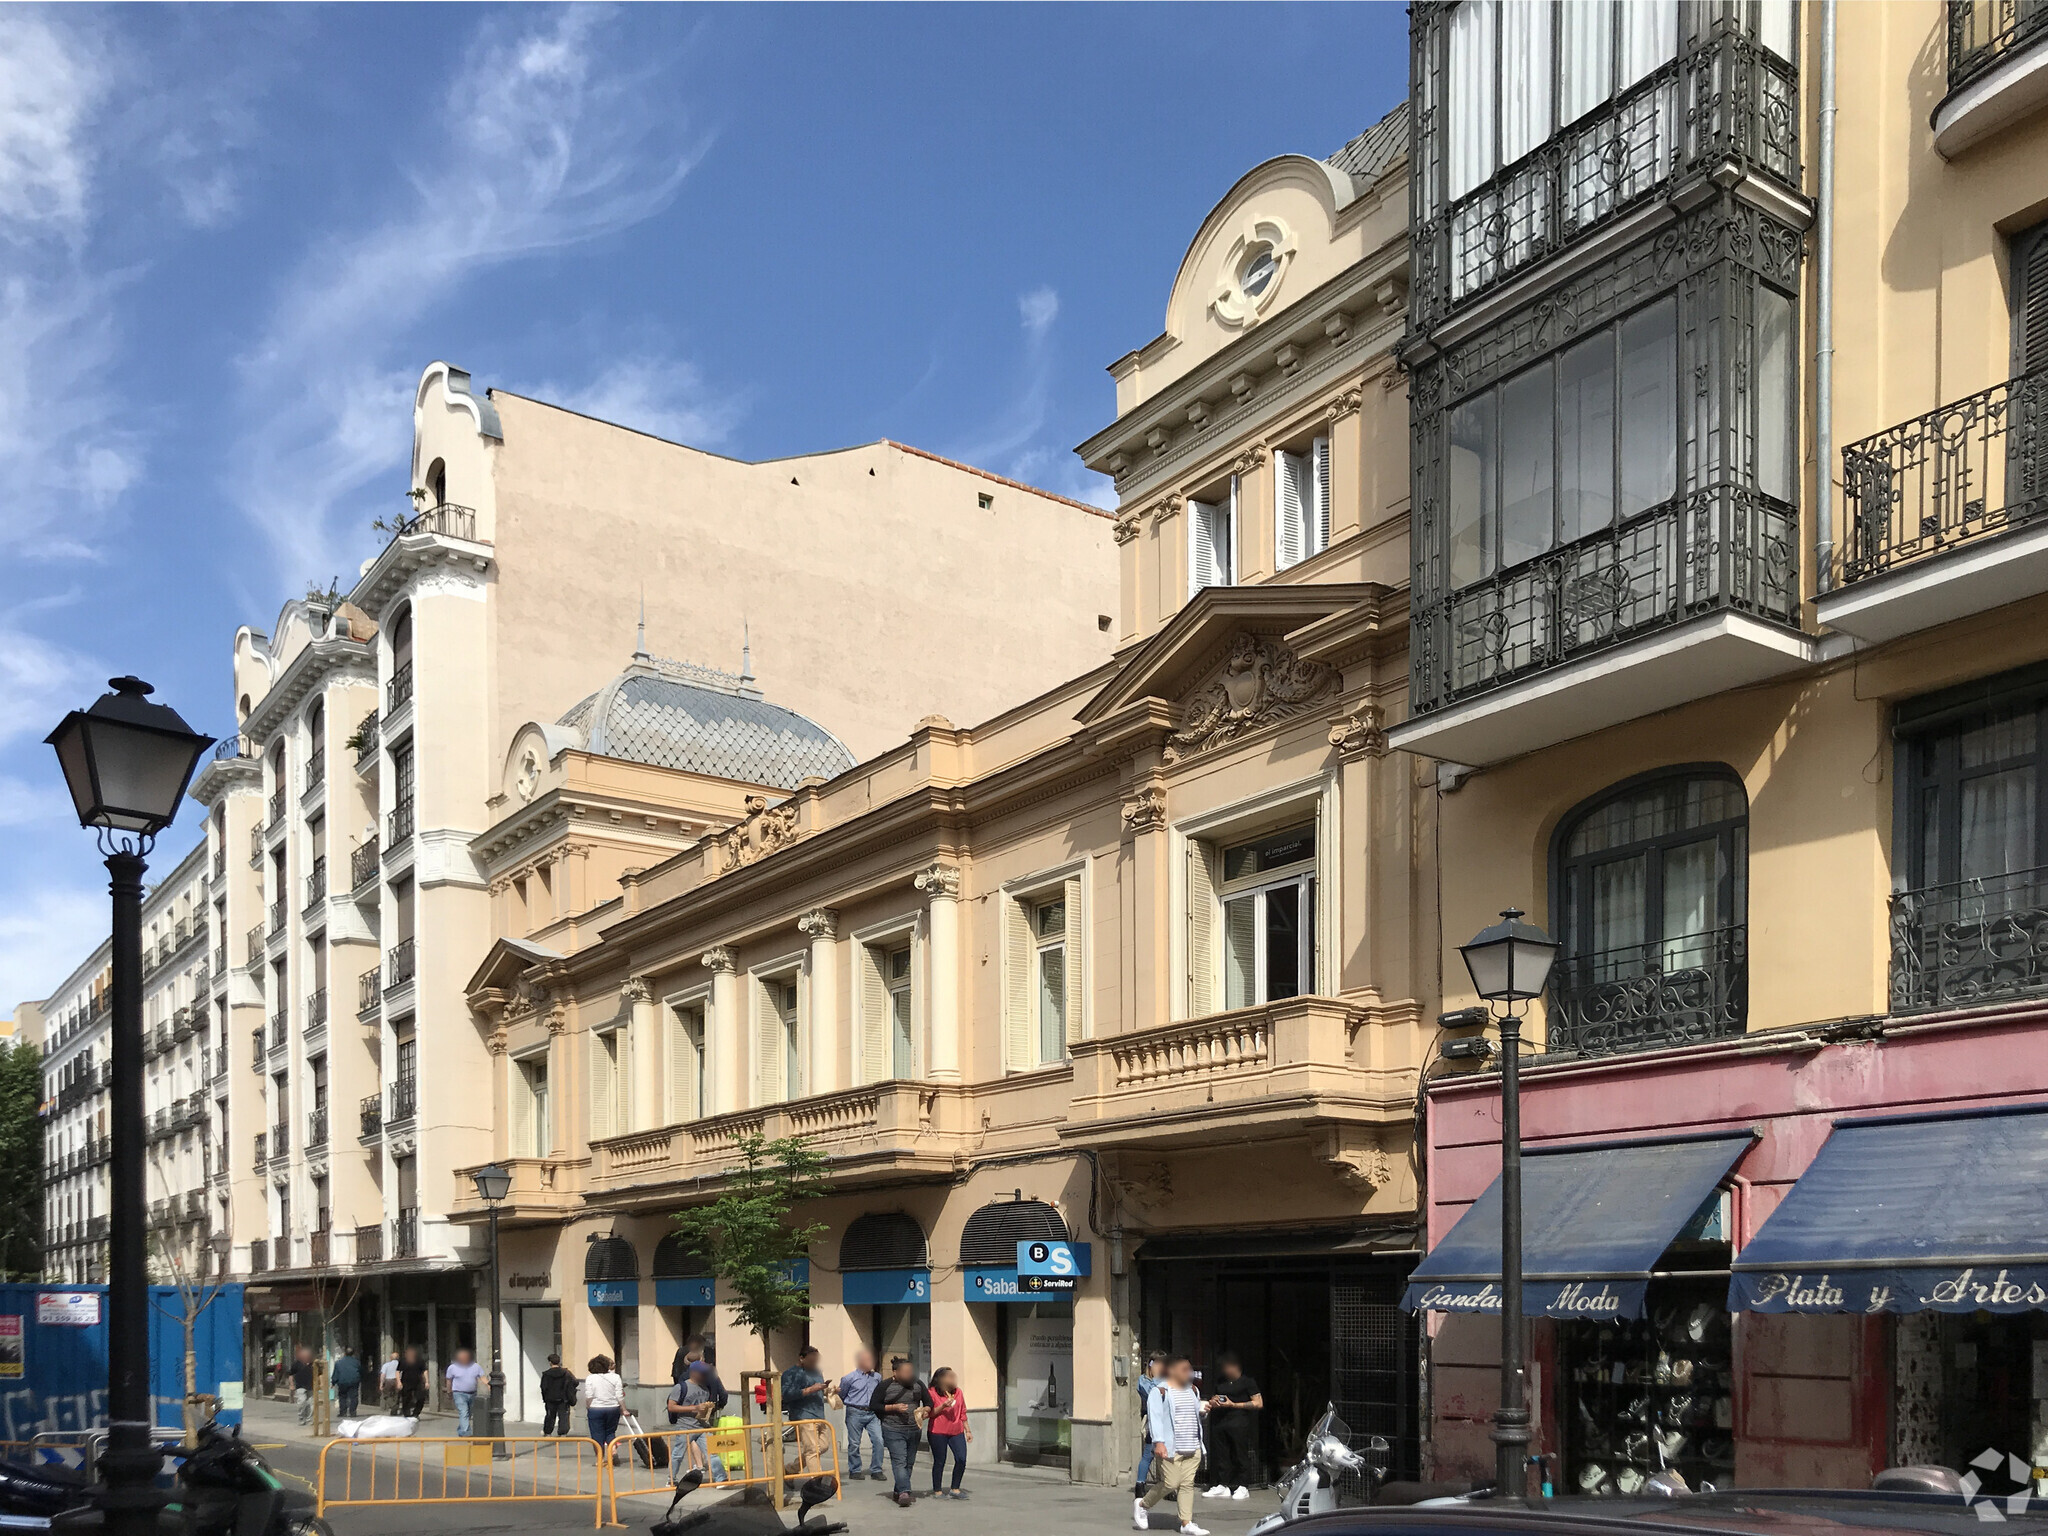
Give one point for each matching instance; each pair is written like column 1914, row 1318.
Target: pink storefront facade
column 1747, row 1399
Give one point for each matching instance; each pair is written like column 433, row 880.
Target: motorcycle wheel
column 306, row 1525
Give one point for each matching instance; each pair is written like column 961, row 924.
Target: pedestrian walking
column 948, row 1429
column 857, row 1393
column 1155, row 1372
column 302, row 1383
column 690, row 1407
column 697, row 1348
column 557, row 1396
column 604, row 1397
column 412, row 1383
column 1174, row 1421
column 1234, row 1410
column 347, row 1377
column 464, row 1377
column 803, row 1404
column 387, row 1382
column 903, row 1409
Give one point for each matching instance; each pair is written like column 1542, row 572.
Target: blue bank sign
column 885, row 1287
column 613, row 1293
column 1003, row 1283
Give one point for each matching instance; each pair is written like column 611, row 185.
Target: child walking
column 948, row 1430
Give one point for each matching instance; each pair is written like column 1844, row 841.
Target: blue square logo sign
column 1047, row 1258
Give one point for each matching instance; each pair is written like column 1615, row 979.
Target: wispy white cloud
column 44, row 931
column 1038, row 309
column 662, row 396
column 547, row 141
column 52, row 84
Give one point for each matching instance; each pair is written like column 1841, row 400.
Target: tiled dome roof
column 675, row 715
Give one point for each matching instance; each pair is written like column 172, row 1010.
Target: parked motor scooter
column 222, row 1487
column 749, row 1515
column 1311, row 1486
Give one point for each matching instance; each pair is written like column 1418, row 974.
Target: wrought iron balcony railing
column 280, row 910
column 1984, row 33
column 259, row 1256
column 372, row 1112
column 405, row 1099
column 1975, row 941
column 280, row 1139
column 1645, row 997
column 1976, row 467
column 447, row 519
column 317, row 1248
column 370, row 1244
column 262, row 1153
column 316, row 1128
column 316, row 769
column 365, row 740
column 1714, row 550
column 405, row 1234
column 255, row 947
column 280, row 1031
column 1724, row 100
column 316, row 1009
column 277, row 804
column 400, row 821
column 369, row 993
column 316, row 882
column 404, row 958
column 362, row 865
column 398, row 692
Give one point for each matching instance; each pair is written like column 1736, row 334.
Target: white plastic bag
column 378, row 1426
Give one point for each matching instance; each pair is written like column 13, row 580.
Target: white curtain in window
column 1525, row 108
column 1469, row 152
column 1691, row 881
column 1775, row 371
column 1998, row 824
column 1774, row 26
column 1618, row 908
column 1585, row 56
column 1649, row 37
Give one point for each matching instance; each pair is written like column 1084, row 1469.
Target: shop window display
column 1650, row 1393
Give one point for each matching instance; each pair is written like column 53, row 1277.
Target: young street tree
column 21, row 1152
column 752, row 1242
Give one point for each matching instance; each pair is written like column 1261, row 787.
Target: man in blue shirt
column 803, row 1402
column 1174, row 1421
column 857, row 1392
column 464, row 1377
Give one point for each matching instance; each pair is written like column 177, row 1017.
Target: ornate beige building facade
column 352, row 898
column 1134, row 964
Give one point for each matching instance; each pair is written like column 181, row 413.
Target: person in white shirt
column 604, row 1396
column 1173, row 1420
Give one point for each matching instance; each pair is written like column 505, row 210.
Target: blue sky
column 230, row 238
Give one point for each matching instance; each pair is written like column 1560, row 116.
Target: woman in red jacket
column 948, row 1430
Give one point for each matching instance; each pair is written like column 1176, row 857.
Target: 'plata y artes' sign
column 1044, row 1265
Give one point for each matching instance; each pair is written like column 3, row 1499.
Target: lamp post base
column 495, row 1423
column 1511, row 1438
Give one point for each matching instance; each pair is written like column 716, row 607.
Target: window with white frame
column 1302, row 504
column 888, row 1010
column 1043, row 964
column 1212, row 541
column 687, row 1099
column 778, row 1060
column 533, row 1132
column 1251, row 919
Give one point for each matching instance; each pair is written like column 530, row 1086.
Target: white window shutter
column 768, row 1044
column 1319, row 527
column 1226, row 543
column 604, row 1088
column 874, row 1016
column 622, row 1078
column 1020, row 1004
column 1287, row 510
column 1201, row 932
column 521, row 1087
column 1201, row 546
column 682, row 1080
column 1077, row 953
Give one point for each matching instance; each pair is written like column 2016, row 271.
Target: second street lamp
column 1510, row 963
column 127, row 763
column 493, row 1184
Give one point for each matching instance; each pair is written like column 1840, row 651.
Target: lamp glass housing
column 127, row 761
column 1510, row 961
column 493, row 1183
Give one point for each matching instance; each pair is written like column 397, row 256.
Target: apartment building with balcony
column 373, row 724
column 1728, row 662
column 178, row 1043
column 1134, row 963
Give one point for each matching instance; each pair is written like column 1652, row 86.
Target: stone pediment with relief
column 1260, row 681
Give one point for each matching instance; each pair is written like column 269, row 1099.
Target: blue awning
column 1910, row 1213
column 1595, row 1220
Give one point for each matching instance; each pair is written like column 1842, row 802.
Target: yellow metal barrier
column 415, row 1471
column 650, row 1463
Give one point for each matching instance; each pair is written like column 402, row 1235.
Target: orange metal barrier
column 650, row 1463
column 449, row 1471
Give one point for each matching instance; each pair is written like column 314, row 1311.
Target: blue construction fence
column 53, row 1355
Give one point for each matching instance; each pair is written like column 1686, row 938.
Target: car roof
column 1765, row 1512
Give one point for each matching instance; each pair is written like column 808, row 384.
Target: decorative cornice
column 939, row 882
column 1361, row 733
column 1355, row 1156
column 1253, row 458
column 819, row 923
column 636, row 989
column 1262, row 681
column 1128, row 526
column 721, row 960
column 1146, row 811
column 759, row 833
column 1347, row 404
column 319, row 659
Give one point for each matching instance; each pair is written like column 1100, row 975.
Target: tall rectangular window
column 686, row 1090
column 1301, row 504
column 1585, row 437
column 1649, row 407
column 778, row 1050
column 1049, row 935
column 1212, row 542
column 1776, row 395
column 888, row 996
column 1528, row 436
column 532, row 1133
column 1266, row 903
column 902, row 1055
column 1472, row 472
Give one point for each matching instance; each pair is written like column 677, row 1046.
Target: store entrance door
column 540, row 1335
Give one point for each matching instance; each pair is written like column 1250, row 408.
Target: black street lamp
column 493, row 1184
column 1510, row 963
column 127, row 762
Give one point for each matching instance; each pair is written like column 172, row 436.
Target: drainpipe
column 1824, row 324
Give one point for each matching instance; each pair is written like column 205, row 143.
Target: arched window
column 1650, row 898
column 611, row 1258
column 675, row 1258
column 437, row 483
column 992, row 1233
column 885, row 1240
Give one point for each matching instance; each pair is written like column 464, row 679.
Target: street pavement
column 1007, row 1501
